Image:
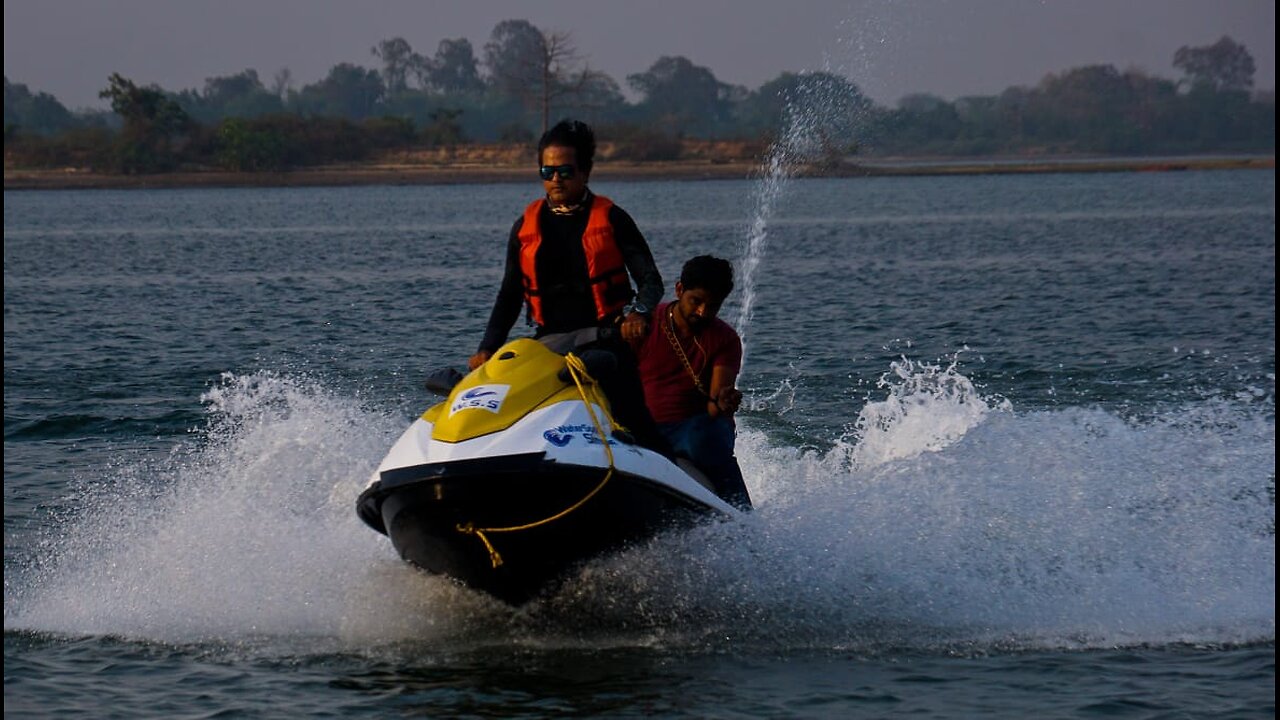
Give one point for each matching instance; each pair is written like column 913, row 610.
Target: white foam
column 943, row 518
column 251, row 529
column 957, row 520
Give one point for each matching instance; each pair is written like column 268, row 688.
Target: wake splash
column 946, row 521
column 942, row 519
column 248, row 530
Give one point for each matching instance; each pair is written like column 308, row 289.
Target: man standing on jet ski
column 571, row 257
column 689, row 362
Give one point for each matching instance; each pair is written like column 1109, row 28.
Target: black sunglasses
column 549, row 171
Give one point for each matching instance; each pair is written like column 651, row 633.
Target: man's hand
column 478, row 359
column 728, row 400
column 635, row 327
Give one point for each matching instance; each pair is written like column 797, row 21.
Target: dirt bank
column 437, row 167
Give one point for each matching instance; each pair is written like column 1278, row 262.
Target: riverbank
column 413, row 173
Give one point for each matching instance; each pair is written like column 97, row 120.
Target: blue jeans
column 708, row 442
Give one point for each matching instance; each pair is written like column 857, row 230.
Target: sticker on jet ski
column 562, row 435
column 480, row 397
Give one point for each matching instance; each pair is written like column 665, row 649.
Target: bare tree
column 538, row 67
column 282, row 83
column 559, row 76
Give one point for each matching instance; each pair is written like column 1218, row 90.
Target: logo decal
column 562, row 435
column 480, row 397
column 556, row 438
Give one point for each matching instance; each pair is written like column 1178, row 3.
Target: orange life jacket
column 606, row 270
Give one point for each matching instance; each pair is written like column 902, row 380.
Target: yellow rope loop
column 578, row 371
column 470, row 529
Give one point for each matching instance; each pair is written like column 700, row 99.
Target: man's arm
column 638, row 258
column 726, row 361
column 644, row 271
column 725, row 398
column 506, row 307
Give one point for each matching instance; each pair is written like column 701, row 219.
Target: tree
column 398, row 60
column 282, row 83
column 454, row 69
column 154, row 126
column 680, row 94
column 537, row 67
column 830, row 109
column 1223, row 66
column 1151, row 106
column 1094, row 108
column 232, row 87
column 349, row 91
column 1085, row 95
column 248, row 147
column 599, row 99
column 921, row 123
column 240, row 95
column 513, row 56
column 39, row 113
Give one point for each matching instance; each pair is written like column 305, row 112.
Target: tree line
column 526, row 77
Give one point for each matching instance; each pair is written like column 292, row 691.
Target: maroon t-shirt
column 668, row 389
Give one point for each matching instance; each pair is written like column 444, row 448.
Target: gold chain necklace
column 669, row 327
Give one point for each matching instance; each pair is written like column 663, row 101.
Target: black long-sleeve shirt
column 561, row 264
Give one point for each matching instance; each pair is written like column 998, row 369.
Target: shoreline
column 455, row 174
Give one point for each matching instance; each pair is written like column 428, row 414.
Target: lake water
column 1011, row 439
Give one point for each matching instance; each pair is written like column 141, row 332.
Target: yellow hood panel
column 520, row 377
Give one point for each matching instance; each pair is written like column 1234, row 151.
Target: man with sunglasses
column 571, row 258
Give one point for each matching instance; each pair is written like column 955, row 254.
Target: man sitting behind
column 689, row 361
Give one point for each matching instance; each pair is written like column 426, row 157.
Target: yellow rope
column 578, row 371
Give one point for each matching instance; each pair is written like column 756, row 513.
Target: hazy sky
column 946, row 47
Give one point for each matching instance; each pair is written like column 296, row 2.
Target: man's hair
column 712, row 274
column 575, row 134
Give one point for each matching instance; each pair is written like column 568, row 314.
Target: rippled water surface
column 1011, row 439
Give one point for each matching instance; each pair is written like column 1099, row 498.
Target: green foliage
column 155, row 127
column 349, row 91
column 924, row 122
column 542, row 70
column 282, row 142
column 144, row 108
column 444, row 128
column 246, row 146
column 398, row 61
column 514, row 56
column 1093, row 109
column 1222, row 67
column 682, row 97
column 234, row 96
column 39, row 113
column 530, row 75
column 88, row 147
column 389, row 131
column 479, row 115
column 454, row 69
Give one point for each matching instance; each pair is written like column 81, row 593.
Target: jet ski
column 521, row 474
